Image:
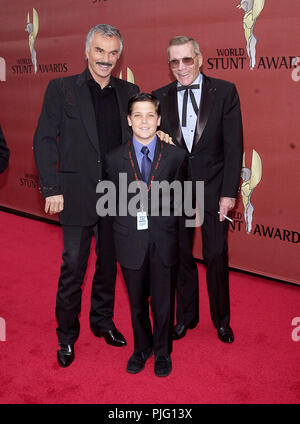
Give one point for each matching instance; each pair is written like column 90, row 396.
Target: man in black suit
column 83, row 117
column 146, row 239
column 4, row 152
column 203, row 116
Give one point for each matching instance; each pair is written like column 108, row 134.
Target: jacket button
column 191, row 157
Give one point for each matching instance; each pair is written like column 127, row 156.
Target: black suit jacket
column 216, row 156
column 4, row 152
column 66, row 145
column 132, row 244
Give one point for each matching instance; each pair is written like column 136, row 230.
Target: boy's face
column 144, row 121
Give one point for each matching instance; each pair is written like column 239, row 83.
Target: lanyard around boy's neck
column 154, row 168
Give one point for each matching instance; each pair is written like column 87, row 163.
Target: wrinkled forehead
column 104, row 42
column 100, row 38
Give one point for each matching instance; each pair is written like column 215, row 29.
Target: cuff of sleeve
column 50, row 191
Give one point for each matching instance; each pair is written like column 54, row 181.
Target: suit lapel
column 87, row 111
column 157, row 164
column 122, row 102
column 206, row 103
column 130, row 149
column 173, row 117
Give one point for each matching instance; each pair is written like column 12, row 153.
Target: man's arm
column 45, row 140
column 46, row 148
column 4, row 152
column 233, row 152
column 182, row 170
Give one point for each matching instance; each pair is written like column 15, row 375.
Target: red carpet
column 261, row 366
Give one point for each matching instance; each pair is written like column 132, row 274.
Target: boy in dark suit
column 146, row 241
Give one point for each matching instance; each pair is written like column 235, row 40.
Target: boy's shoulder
column 170, row 149
column 174, row 150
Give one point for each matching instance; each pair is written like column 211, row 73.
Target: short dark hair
column 144, row 97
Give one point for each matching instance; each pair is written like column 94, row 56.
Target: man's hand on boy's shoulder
column 164, row 137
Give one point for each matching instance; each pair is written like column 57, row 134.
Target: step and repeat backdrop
column 253, row 43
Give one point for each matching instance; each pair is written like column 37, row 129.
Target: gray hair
column 183, row 39
column 107, row 31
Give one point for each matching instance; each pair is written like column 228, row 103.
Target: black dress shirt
column 107, row 114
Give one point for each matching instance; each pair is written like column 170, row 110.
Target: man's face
column 185, row 74
column 144, row 121
column 102, row 56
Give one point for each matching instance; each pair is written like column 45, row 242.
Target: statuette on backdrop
column 251, row 179
column 130, row 76
column 252, row 9
column 32, row 28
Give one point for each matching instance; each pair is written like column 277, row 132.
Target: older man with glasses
column 203, row 116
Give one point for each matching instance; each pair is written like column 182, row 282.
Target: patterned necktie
column 146, row 164
column 188, row 89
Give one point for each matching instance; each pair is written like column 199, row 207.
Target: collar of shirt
column 90, row 80
column 198, row 80
column 189, row 130
column 138, row 146
column 196, row 92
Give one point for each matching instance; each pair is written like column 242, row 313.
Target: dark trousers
column 215, row 254
column 76, row 250
column 156, row 280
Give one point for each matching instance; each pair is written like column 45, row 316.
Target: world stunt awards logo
column 236, row 58
column 28, row 66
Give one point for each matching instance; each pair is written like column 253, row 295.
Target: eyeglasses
column 187, row 61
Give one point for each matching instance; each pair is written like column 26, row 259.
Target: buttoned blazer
column 132, row 244
column 66, row 145
column 216, row 155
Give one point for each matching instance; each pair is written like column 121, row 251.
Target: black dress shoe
column 180, row 330
column 112, row 337
column 65, row 355
column 162, row 365
column 137, row 361
column 225, row 334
